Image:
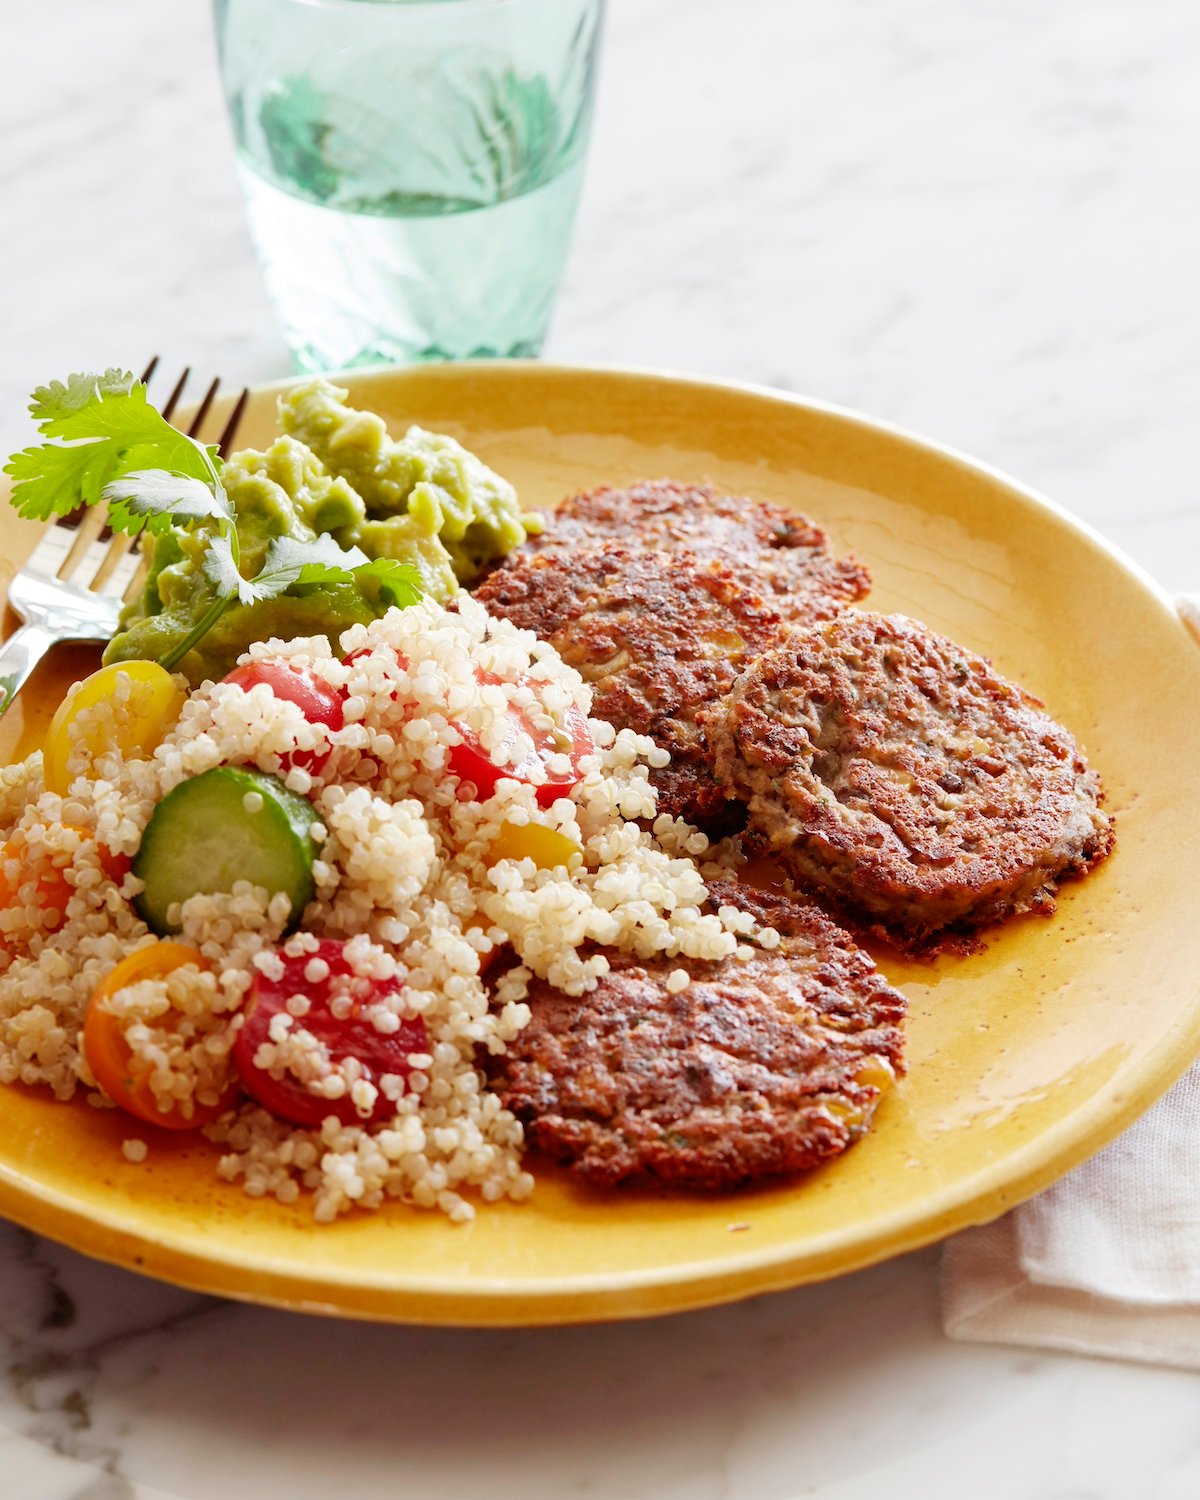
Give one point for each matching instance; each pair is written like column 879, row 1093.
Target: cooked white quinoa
column 403, row 874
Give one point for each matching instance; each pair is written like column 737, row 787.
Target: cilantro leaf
column 220, row 567
column 51, row 401
column 109, row 429
column 156, row 500
column 44, row 477
column 289, row 562
column 397, row 582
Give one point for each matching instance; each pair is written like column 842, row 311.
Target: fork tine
column 86, row 533
column 137, row 578
column 76, row 516
column 131, row 577
column 173, row 399
column 234, row 422
column 203, row 409
column 121, row 545
column 117, row 568
column 52, row 549
column 116, row 552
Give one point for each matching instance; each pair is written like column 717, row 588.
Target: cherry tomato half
column 153, row 708
column 312, row 695
column 362, row 651
column 546, row 847
column 400, row 658
column 110, row 1057
column 470, row 762
column 53, row 890
column 352, row 1036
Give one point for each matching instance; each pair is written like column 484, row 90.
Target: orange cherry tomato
column 52, row 888
column 115, row 866
column 110, row 1056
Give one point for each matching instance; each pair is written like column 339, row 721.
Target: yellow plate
column 1023, row 1060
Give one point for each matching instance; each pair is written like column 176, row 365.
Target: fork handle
column 19, row 654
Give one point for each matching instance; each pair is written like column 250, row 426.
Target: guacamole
column 422, row 499
column 422, row 484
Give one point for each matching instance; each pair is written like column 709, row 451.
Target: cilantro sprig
column 104, row 442
column 98, row 428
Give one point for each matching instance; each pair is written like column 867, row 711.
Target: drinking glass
column 411, row 168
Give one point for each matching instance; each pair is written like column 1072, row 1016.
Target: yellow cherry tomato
column 876, row 1073
column 109, row 1055
column 154, row 704
column 545, row 846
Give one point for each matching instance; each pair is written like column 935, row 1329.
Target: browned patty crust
column 759, row 1068
column 658, row 636
column 900, row 774
column 768, row 548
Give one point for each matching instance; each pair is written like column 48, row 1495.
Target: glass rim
column 421, row 4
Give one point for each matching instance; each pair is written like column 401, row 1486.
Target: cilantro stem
column 197, row 633
column 219, row 605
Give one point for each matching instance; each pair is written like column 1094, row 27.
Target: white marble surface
column 979, row 220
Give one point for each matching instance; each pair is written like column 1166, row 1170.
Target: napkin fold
column 1107, row 1261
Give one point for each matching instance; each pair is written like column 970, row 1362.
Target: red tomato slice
column 312, row 695
column 367, row 650
column 401, row 659
column 349, row 1036
column 470, row 762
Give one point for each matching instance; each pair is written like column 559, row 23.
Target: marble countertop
column 978, row 221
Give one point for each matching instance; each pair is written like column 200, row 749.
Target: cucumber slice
column 202, row 839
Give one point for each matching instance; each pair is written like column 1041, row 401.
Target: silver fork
column 73, row 586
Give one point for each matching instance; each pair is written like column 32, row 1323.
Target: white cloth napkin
column 1107, row 1261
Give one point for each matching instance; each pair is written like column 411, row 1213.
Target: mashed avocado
column 421, row 485
column 422, row 499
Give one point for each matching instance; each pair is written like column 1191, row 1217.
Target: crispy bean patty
column 658, row 635
column 769, row 549
column 760, row 1067
column 898, row 773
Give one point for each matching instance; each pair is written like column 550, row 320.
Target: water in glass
column 411, row 168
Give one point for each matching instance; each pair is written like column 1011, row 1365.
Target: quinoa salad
column 420, row 880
